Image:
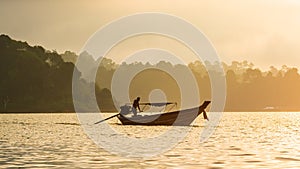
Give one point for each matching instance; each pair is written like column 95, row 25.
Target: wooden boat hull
column 177, row 118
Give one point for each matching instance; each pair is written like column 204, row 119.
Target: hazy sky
column 265, row 32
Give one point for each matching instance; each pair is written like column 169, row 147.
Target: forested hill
column 37, row 80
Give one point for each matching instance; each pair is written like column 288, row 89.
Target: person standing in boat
column 136, row 105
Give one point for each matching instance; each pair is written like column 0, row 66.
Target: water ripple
column 242, row 140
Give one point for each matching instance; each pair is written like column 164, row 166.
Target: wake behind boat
column 178, row 118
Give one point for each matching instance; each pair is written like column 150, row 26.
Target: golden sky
column 265, row 32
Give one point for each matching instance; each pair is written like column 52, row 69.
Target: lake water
column 241, row 140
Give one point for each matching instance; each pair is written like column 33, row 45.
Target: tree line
column 34, row 79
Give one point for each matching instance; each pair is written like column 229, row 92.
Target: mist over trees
column 37, row 80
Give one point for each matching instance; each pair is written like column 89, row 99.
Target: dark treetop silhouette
column 37, row 80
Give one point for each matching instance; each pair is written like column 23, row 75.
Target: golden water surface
column 241, row 140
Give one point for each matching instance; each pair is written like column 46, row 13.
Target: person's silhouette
column 136, row 105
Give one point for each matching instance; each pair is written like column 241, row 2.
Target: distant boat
column 178, row 118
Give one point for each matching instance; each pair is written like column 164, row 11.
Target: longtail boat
column 178, row 118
